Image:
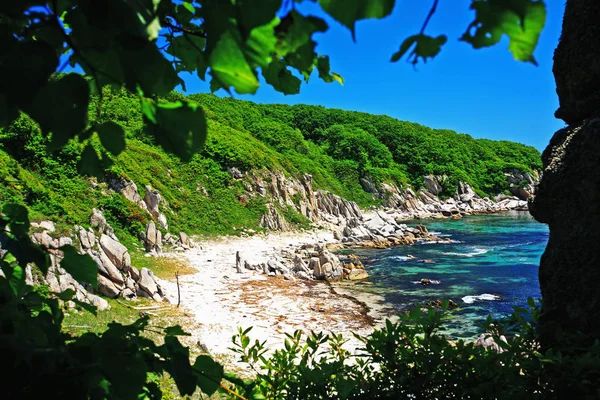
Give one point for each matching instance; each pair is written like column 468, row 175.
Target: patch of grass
column 164, row 267
column 78, row 322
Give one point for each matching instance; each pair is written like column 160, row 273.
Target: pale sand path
column 223, row 300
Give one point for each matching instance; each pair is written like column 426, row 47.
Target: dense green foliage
column 410, row 359
column 336, row 147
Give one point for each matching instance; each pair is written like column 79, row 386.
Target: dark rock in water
column 438, row 304
column 427, row 282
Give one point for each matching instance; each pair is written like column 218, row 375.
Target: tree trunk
column 568, row 196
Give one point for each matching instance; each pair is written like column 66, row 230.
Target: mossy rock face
column 577, row 62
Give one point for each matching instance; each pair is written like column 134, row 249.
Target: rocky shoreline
column 280, row 280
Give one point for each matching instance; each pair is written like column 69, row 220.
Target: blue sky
column 484, row 93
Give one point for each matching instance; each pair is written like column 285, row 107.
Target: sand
column 222, row 300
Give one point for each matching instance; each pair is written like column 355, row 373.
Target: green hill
column 336, row 147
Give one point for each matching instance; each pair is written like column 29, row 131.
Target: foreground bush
column 410, row 359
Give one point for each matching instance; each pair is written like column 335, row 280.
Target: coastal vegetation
column 230, row 43
column 338, row 148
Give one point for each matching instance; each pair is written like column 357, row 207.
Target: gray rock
column 315, row 266
column 300, row 265
column 128, row 189
column 162, row 221
column 152, row 200
column 111, row 271
column 107, row 288
column 44, row 225
column 135, row 274
column 239, row 263
column 235, row 173
column 84, row 239
column 152, row 238
column 65, row 241
column 273, row 220
column 432, row 184
column 277, row 267
column 148, row 283
column 128, row 294
column 98, row 221
column 116, row 252
column 185, row 240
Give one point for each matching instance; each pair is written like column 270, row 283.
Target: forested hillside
column 336, row 147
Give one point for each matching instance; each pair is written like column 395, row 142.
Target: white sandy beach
column 222, row 299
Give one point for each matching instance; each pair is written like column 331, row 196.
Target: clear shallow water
column 494, row 254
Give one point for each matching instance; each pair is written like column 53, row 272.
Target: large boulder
column 108, row 268
column 152, row 200
column 107, row 288
column 148, row 285
column 116, row 252
column 432, row 184
column 153, row 238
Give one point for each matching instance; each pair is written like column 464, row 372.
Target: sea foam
column 481, row 297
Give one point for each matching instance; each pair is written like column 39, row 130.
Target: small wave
column 481, row 297
column 475, row 252
column 401, row 258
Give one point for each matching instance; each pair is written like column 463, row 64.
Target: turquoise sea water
column 491, row 254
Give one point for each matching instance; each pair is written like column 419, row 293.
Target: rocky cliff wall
column 568, row 196
column 332, row 211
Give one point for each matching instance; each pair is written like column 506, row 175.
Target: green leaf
column 180, row 368
column 295, row 30
column 61, row 107
column 187, row 48
column 156, row 77
column 112, row 137
column 229, row 65
column 347, row 12
column 424, row 47
column 89, row 163
column 325, row 71
column 125, row 371
column 175, row 331
column 16, row 277
column 81, row 266
column 180, row 128
column 66, row 295
column 8, row 111
column 25, row 68
column 18, row 219
column 253, row 13
column 282, row 80
column 521, row 20
column 261, row 43
column 210, row 374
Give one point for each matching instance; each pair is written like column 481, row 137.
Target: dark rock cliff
column 568, row 195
